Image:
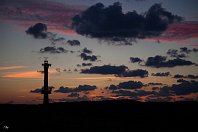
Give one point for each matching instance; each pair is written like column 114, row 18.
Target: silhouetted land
column 102, row 116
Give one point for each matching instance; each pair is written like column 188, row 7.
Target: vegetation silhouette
column 98, row 116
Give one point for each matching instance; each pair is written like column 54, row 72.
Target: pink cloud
column 11, row 67
column 28, row 12
column 180, row 32
column 27, row 74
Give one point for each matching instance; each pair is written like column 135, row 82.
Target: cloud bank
column 108, row 22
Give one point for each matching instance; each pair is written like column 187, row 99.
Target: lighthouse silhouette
column 46, row 90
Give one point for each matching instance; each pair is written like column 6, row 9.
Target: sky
column 144, row 50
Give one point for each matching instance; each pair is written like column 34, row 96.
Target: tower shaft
column 46, row 91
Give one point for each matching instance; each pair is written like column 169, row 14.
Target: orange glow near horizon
column 11, row 67
column 26, row 74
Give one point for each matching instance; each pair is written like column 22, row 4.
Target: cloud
column 112, row 87
column 54, row 38
column 86, row 64
column 185, row 88
column 38, row 30
column 23, row 74
column 135, row 59
column 87, row 51
column 26, row 12
column 73, row 42
column 187, row 76
column 174, row 53
column 130, row 85
column 152, row 83
column 161, row 61
column 105, row 69
column 126, row 85
column 135, row 94
column 185, row 50
column 179, row 76
column 38, row 90
column 180, row 32
column 161, row 74
column 11, row 67
column 64, row 90
column 108, row 22
column 86, row 57
column 53, row 49
column 134, row 73
column 80, row 88
column 118, row 71
column 73, row 95
column 195, row 49
column 192, row 76
column 159, row 99
column 181, row 81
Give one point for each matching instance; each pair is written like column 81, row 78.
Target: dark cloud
column 78, row 65
column 86, row 64
column 174, row 53
column 118, row 71
column 192, row 76
column 179, row 76
column 87, row 51
column 54, row 39
column 164, row 92
column 187, row 76
column 86, row 57
column 130, row 85
column 39, row 30
column 80, row 88
column 124, row 93
column 108, row 22
column 134, row 73
column 53, row 49
column 161, row 61
column 122, row 41
column 159, row 99
column 181, row 81
column 42, row 72
column 73, row 42
column 105, row 69
column 185, row 88
column 161, row 74
column 135, row 94
column 112, row 87
column 195, row 49
column 152, row 83
column 185, row 50
column 38, row 90
column 135, row 59
column 134, row 85
column 64, row 90
column 73, row 95
column 74, row 99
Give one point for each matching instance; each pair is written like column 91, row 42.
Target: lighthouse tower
column 46, row 90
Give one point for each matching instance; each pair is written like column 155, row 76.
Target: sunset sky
column 145, row 50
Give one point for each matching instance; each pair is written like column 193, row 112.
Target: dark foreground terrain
column 104, row 116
